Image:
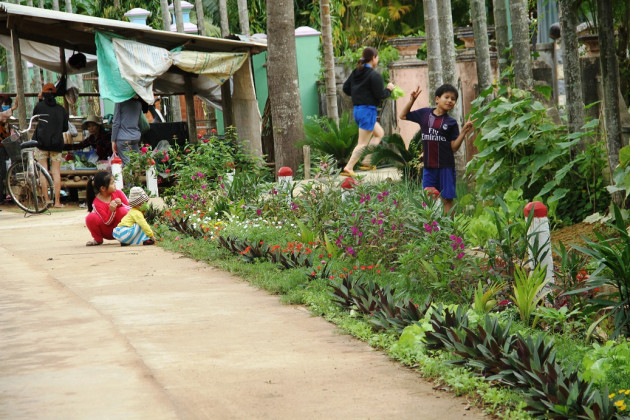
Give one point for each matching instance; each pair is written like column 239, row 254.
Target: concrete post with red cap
column 152, row 183
column 285, row 178
column 117, row 172
column 433, row 192
column 285, row 182
column 346, row 186
column 539, row 233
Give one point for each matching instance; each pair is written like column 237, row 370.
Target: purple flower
column 373, row 221
column 204, row 186
column 258, row 212
column 193, row 177
column 184, row 196
column 460, row 255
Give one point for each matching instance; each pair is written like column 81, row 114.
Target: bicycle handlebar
column 30, row 123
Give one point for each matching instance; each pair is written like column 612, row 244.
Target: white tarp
column 47, row 56
column 140, row 64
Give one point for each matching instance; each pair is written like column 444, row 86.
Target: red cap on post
column 116, row 160
column 285, row 171
column 432, row 191
column 540, row 210
column 348, row 183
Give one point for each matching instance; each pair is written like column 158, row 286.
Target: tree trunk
column 572, row 71
column 179, row 19
column 482, row 48
column 282, row 76
column 166, row 16
column 226, row 93
column 434, row 55
column 69, row 6
column 223, row 14
column 520, row 41
column 329, row 62
column 501, row 33
column 201, row 27
column 610, row 81
column 445, row 24
column 449, row 69
column 243, row 17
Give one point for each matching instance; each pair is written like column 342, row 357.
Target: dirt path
column 140, row 333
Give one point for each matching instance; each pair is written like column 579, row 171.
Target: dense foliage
column 521, row 148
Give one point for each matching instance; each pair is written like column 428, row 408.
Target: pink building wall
column 408, row 73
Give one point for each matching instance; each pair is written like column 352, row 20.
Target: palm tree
column 434, row 59
column 501, row 33
column 243, row 17
column 223, row 12
column 520, row 44
column 329, row 62
column 610, row 84
column 282, row 77
column 572, row 70
column 482, row 48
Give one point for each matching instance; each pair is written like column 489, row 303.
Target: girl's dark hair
column 94, row 184
column 368, row 54
column 6, row 99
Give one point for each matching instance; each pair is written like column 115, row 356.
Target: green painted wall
column 307, row 48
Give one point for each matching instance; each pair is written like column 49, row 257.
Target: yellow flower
column 611, row 396
column 621, row 391
column 627, row 391
column 619, row 403
column 622, row 408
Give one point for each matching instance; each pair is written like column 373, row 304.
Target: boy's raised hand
column 469, row 125
column 416, row 93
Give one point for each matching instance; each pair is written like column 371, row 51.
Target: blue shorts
column 442, row 179
column 365, row 116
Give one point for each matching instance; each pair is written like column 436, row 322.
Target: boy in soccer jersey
column 441, row 138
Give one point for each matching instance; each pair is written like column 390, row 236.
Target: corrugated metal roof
column 76, row 32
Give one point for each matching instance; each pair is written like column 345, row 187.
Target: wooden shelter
column 29, row 31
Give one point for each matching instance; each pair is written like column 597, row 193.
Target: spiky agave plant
column 324, row 135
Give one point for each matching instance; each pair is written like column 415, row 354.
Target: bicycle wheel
column 32, row 194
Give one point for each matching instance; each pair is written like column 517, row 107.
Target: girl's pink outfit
column 101, row 222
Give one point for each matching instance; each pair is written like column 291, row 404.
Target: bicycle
column 29, row 184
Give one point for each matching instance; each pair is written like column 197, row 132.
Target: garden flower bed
column 383, row 262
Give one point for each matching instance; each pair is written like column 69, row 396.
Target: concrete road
column 140, row 333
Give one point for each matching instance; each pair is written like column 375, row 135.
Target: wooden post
column 64, row 72
column 190, row 109
column 226, row 98
column 307, row 162
column 19, row 78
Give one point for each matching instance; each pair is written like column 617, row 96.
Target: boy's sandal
column 93, row 243
column 346, row 173
column 367, row 167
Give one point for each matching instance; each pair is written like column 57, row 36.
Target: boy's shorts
column 365, row 116
column 45, row 154
column 442, row 179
